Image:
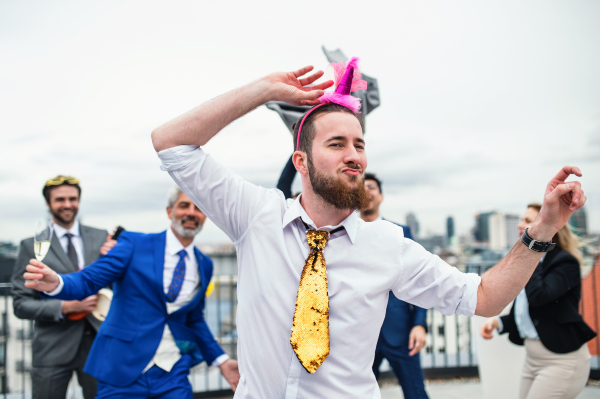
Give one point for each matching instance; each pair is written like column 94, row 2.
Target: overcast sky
column 482, row 102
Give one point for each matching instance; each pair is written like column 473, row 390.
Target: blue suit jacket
column 401, row 317
column 133, row 329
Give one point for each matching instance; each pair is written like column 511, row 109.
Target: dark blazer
column 400, row 316
column 553, row 293
column 55, row 340
column 134, row 327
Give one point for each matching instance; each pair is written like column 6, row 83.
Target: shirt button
column 293, row 381
column 535, row 322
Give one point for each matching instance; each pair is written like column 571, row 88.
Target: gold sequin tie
column 310, row 333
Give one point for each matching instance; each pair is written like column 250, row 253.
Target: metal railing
column 451, row 348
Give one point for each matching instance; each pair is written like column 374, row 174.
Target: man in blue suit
column 403, row 331
column 155, row 330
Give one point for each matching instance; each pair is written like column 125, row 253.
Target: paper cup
column 103, row 306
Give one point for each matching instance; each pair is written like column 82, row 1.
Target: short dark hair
column 308, row 129
column 47, row 189
column 371, row 176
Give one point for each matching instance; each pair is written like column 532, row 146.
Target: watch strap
column 537, row 246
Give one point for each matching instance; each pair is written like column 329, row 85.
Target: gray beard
column 182, row 231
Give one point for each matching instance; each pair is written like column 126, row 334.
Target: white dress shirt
column 364, row 262
column 76, row 240
column 168, row 353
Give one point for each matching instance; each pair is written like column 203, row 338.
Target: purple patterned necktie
column 178, row 276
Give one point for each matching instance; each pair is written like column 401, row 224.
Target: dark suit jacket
column 133, row 329
column 553, row 293
column 401, row 317
column 55, row 339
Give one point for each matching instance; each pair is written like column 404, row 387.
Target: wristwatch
column 537, row 246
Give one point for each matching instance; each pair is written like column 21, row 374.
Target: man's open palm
column 291, row 88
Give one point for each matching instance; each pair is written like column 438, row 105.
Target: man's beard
column 56, row 215
column 337, row 193
column 185, row 231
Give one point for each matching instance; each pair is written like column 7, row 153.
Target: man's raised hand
column 291, row 88
column 561, row 199
column 40, row 277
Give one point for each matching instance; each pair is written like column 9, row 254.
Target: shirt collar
column 296, row 211
column 173, row 245
column 378, row 218
column 61, row 231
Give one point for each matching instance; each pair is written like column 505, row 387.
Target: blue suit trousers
column 407, row 368
column 155, row 383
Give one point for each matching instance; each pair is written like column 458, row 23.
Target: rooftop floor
column 465, row 390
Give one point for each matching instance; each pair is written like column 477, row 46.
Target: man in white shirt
column 64, row 330
column 155, row 330
column 364, row 260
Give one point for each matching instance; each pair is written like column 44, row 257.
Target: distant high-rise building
column 482, row 226
column 449, row 227
column 413, row 223
column 578, row 222
column 512, row 230
column 433, row 244
column 503, row 230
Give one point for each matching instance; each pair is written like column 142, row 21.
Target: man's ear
column 300, row 161
column 169, row 212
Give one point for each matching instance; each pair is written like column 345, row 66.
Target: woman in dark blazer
column 545, row 317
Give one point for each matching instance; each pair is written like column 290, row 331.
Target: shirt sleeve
column 229, row 201
column 429, row 282
column 220, row 360
column 58, row 289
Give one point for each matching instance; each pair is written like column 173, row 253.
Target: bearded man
column 155, row 330
column 308, row 328
column 61, row 342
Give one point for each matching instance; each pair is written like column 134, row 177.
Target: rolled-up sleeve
column 429, row 282
column 229, row 201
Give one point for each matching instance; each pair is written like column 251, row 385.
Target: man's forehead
column 338, row 124
column 183, row 198
column 64, row 191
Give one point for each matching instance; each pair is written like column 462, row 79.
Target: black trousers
column 52, row 382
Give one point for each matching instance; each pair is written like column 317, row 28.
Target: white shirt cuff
column 468, row 302
column 501, row 328
column 179, row 157
column 58, row 289
column 220, row 360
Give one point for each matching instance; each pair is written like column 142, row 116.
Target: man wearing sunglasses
column 64, row 330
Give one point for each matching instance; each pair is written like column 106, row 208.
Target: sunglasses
column 58, row 180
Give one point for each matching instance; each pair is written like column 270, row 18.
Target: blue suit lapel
column 203, row 270
column 160, row 242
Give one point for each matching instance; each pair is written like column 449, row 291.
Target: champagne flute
column 42, row 239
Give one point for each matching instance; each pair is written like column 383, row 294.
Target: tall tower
column 450, row 228
column 413, row 223
column 482, row 226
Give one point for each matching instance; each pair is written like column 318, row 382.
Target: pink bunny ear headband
column 347, row 80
